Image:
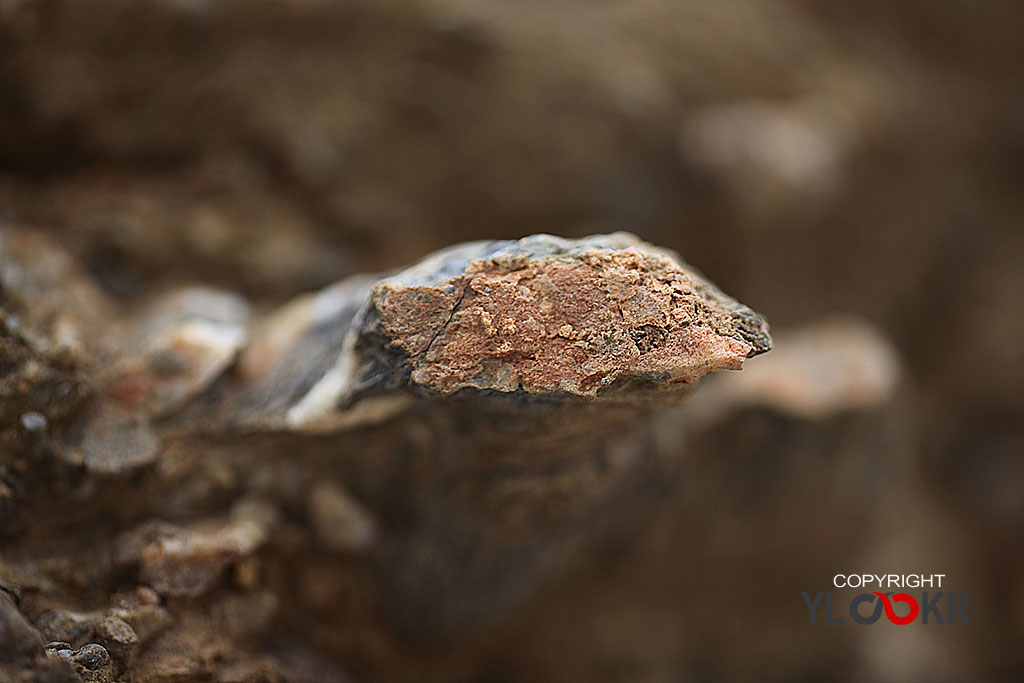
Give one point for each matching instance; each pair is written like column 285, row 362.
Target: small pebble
column 148, row 596
column 33, row 421
column 61, row 648
column 92, row 656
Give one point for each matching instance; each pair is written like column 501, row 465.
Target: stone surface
column 547, row 315
column 604, row 317
column 572, row 341
column 179, row 561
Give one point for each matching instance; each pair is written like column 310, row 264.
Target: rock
column 341, row 523
column 183, row 561
column 604, row 317
column 175, row 349
column 106, row 626
column 91, row 662
column 58, row 306
column 19, row 642
column 171, row 352
column 516, row 380
column 44, row 382
column 115, row 442
column 813, row 157
column 293, row 349
column 547, row 315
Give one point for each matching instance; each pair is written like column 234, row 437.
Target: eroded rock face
column 606, row 317
column 516, row 379
column 546, row 315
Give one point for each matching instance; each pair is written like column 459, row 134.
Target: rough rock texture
column 604, row 317
column 546, row 315
column 520, row 374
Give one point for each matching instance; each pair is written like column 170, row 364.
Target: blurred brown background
column 812, row 158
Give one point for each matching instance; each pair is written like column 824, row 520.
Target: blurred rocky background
column 851, row 171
